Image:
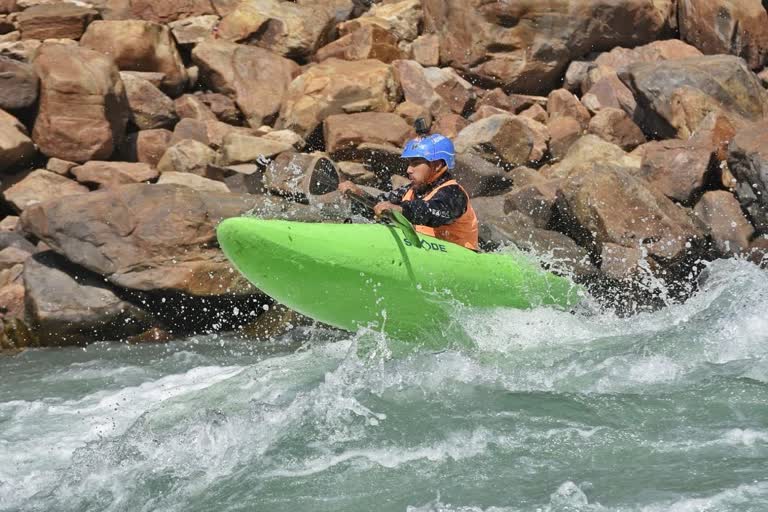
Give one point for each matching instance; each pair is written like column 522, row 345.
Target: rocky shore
column 626, row 141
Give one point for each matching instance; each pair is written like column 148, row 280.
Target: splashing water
column 553, row 412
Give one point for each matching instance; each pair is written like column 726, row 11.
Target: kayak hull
column 371, row 275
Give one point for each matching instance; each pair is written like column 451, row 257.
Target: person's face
column 421, row 170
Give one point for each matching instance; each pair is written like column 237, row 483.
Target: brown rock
column 9, row 224
column 679, row 169
column 59, row 166
column 678, row 95
column 8, row 6
column 411, row 112
column 343, row 133
column 290, row 29
column 527, row 45
column 609, row 205
column 222, row 107
column 18, row 84
column 539, row 135
column 137, row 45
column 335, row 87
column 16, row 148
column 145, row 237
column 190, row 129
column 153, row 77
column 449, row 125
column 537, row 113
column 150, row 108
column 193, row 181
column 480, row 177
column 738, row 27
column 367, row 42
column 426, row 50
column 486, row 111
column 112, row 174
column 40, row 186
column 58, row 21
column 619, row 59
column 238, row 148
column 721, row 213
column 609, row 92
column 619, row 262
column 417, row 89
column 217, row 132
column 562, row 103
column 589, row 150
column 503, row 139
column 536, row 200
column 299, row 175
column 400, row 18
column 68, row 305
column 191, row 31
column 257, row 79
column 576, row 74
column 190, row 106
column 187, row 156
column 615, row 126
column 12, row 299
column 748, row 161
column 147, row 146
column 83, row 109
column 12, row 256
column 356, row 172
column 166, row 11
column 499, row 99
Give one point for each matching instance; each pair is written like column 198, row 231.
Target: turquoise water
column 554, row 412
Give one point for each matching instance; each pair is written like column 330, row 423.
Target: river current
column 552, row 412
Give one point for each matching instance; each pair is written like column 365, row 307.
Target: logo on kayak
column 428, row 246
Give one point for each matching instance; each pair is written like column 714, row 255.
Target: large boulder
column 145, row 237
column 368, row 42
column 240, row 148
column 440, row 91
column 190, row 31
column 738, row 27
column 337, row 87
column 721, row 213
column 605, row 203
column 137, row 45
column 83, row 109
column 150, row 107
column 748, row 161
column 290, row 29
column 589, row 150
column 620, row 58
column 16, row 148
column 503, row 139
column 343, row 133
column 255, row 78
column 166, row 11
column 676, row 96
column 146, row 146
column 678, row 168
column 112, row 174
column 615, row 126
column 187, row 156
column 58, row 21
column 40, row 186
column 67, row 304
column 18, row 84
column 526, row 45
column 401, row 18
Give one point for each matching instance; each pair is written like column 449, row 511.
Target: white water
column 554, row 412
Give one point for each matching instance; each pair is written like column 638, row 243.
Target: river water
column 555, row 412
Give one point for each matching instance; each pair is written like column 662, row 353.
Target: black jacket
column 447, row 205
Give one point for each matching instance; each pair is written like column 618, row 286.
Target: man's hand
column 383, row 206
column 348, row 186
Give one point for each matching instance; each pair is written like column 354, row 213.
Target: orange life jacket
column 462, row 231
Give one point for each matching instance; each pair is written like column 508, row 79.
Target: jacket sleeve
column 447, row 205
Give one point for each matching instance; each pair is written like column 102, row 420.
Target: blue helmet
column 431, row 148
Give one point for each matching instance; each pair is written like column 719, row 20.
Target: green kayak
column 384, row 277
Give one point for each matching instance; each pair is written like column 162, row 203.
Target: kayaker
column 434, row 202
